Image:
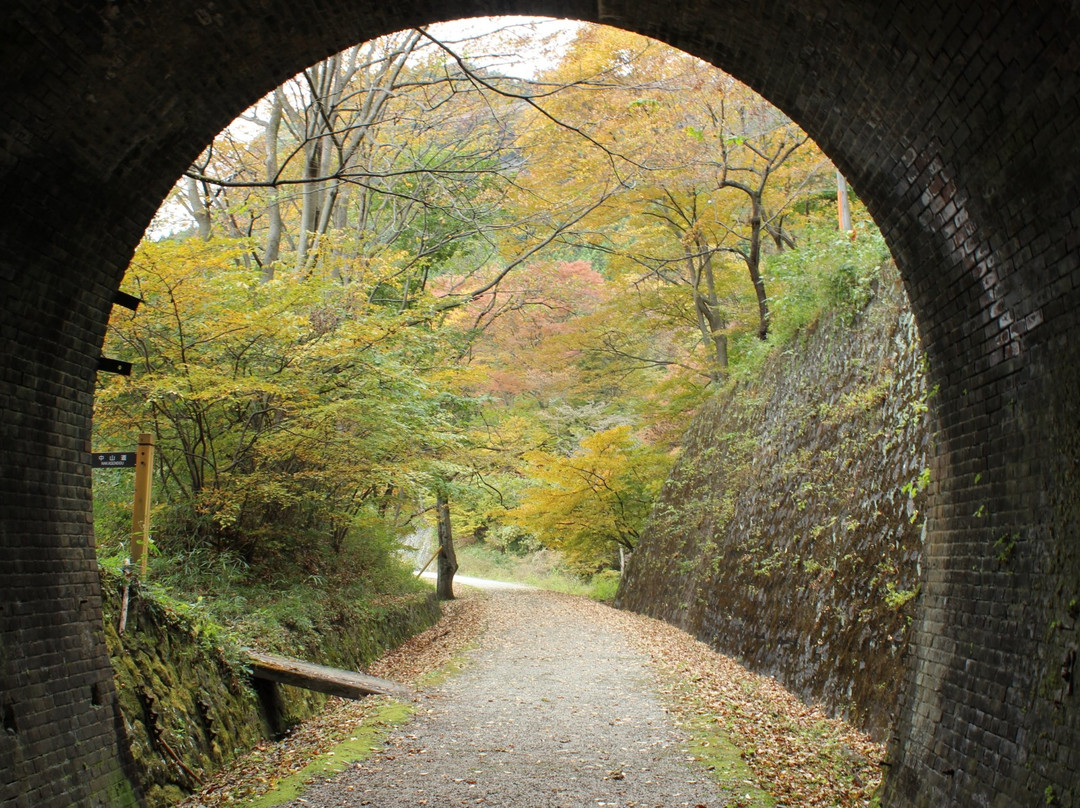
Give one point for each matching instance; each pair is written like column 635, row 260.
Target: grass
column 543, row 569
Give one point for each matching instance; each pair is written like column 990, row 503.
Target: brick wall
column 954, row 119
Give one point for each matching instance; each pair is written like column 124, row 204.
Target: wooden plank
column 324, row 679
column 428, row 564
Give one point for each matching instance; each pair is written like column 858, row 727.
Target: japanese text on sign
column 112, row 460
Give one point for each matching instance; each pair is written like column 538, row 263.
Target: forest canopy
column 409, row 278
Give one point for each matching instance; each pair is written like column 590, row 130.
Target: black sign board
column 113, row 366
column 113, row 460
column 126, row 300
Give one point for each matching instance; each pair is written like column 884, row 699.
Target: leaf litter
column 797, row 754
column 794, row 753
column 260, row 770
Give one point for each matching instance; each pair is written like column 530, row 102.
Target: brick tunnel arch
column 953, row 119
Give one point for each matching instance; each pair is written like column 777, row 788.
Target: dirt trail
column 552, row 710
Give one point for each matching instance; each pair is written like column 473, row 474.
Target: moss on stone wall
column 788, row 534
column 187, row 702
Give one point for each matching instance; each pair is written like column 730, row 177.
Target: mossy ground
column 458, row 662
column 184, row 693
column 715, row 749
column 356, row 744
column 723, row 759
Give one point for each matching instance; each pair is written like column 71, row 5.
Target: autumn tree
column 542, row 393
column 569, row 254
column 707, row 173
column 397, row 156
column 590, row 503
column 284, row 411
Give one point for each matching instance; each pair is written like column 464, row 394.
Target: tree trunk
column 444, row 586
column 197, row 207
column 309, row 206
column 707, row 307
column 318, row 148
column 843, row 206
column 753, row 263
column 272, row 249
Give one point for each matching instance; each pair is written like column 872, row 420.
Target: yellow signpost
column 140, row 514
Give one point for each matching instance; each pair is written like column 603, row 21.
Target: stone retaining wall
column 789, row 532
column 189, row 707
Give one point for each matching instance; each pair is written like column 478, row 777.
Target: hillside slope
column 788, row 534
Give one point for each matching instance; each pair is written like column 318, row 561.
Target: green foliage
column 1005, row 547
column 604, row 585
column 898, row 598
column 509, row 538
column 917, row 485
column 114, row 491
column 287, row 414
column 857, row 267
column 290, row 611
column 827, row 269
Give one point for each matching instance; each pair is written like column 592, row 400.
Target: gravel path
column 553, row 710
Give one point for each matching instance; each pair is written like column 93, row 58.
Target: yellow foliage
column 588, row 504
column 281, row 409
